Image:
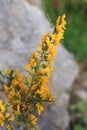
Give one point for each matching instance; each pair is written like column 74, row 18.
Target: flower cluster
column 5, row 116
column 27, row 93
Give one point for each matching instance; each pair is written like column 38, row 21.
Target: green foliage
column 77, row 127
column 76, row 33
column 80, row 113
column 76, row 36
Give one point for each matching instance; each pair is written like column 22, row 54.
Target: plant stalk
column 28, row 126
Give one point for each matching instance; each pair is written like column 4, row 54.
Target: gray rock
column 81, row 94
column 80, row 86
column 21, row 27
column 66, row 71
column 57, row 114
column 21, row 30
column 38, row 3
column 3, row 97
column 2, row 128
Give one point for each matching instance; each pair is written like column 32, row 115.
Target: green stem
column 28, row 126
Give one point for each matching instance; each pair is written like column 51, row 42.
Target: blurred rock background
column 22, row 23
column 75, row 42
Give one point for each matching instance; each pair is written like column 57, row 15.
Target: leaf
column 77, row 127
column 85, row 1
column 72, row 107
column 85, row 119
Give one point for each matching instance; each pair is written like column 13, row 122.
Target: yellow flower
column 53, row 36
column 24, row 89
column 6, row 89
column 2, row 107
column 44, row 80
column 18, row 109
column 50, row 58
column 1, row 119
column 7, row 115
column 11, row 119
column 27, row 78
column 63, row 21
column 43, row 92
column 48, row 40
column 35, row 55
column 8, row 127
column 43, row 39
column 8, row 72
column 60, row 27
column 14, row 82
column 33, row 119
column 33, row 87
column 27, row 67
column 48, row 69
column 18, row 75
column 40, row 108
column 52, row 50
